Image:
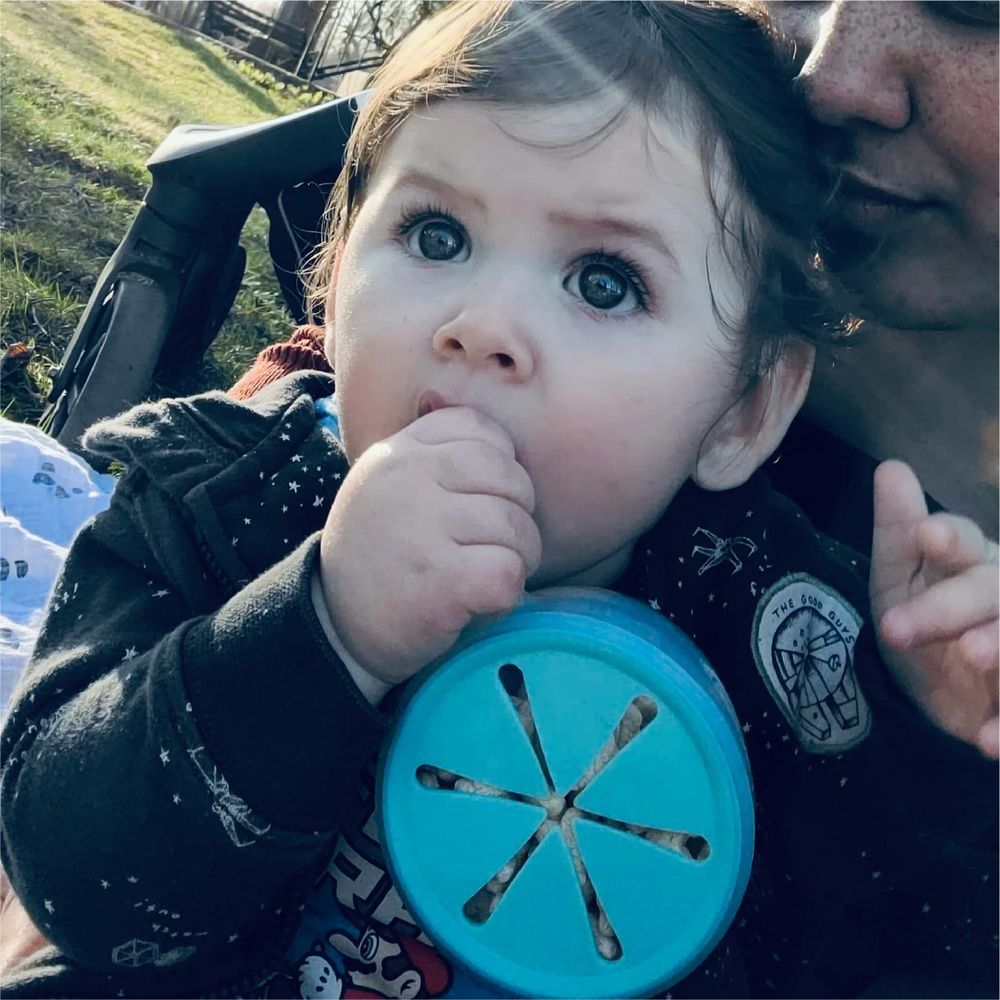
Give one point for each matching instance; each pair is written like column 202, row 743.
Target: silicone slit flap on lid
column 562, row 812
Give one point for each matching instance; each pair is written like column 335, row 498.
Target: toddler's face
column 561, row 290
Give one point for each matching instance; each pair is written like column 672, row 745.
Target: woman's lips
column 871, row 207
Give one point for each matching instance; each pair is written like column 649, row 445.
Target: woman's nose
column 859, row 64
column 487, row 338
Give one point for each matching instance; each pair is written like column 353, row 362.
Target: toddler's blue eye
column 602, row 287
column 608, row 283
column 437, row 239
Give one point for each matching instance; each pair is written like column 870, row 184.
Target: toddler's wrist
column 373, row 688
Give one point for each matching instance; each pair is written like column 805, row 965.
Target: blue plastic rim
column 566, row 804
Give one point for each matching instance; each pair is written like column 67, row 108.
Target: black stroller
column 177, row 271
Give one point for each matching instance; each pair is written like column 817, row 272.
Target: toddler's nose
column 484, row 338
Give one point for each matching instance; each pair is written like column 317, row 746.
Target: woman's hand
column 934, row 594
column 431, row 527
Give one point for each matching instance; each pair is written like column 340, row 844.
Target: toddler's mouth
column 429, row 402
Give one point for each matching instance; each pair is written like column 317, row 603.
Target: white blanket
column 46, row 495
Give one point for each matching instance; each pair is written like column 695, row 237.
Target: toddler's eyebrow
column 620, row 227
column 411, row 177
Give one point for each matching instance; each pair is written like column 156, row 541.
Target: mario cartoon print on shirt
column 382, row 965
column 377, row 965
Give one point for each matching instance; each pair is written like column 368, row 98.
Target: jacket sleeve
column 175, row 758
column 301, row 352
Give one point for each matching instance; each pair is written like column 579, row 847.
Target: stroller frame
column 176, row 273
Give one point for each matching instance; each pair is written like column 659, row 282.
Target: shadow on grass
column 69, row 34
column 219, row 67
column 130, row 186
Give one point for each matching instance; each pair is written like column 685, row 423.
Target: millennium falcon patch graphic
column 803, row 641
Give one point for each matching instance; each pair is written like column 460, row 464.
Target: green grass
column 87, row 91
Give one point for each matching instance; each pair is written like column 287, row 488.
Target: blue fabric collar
column 327, row 416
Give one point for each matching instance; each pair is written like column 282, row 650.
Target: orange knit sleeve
column 302, row 351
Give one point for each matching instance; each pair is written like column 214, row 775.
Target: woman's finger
column 951, row 544
column 988, row 739
column 979, row 648
column 946, row 610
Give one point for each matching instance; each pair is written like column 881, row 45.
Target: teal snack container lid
column 566, row 804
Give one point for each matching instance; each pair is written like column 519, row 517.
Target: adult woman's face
column 909, row 94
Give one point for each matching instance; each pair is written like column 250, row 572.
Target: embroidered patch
column 803, row 641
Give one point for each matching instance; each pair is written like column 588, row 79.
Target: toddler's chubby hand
column 934, row 591
column 431, row 527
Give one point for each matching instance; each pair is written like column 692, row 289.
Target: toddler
column 571, row 299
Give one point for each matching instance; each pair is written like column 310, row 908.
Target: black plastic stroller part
column 295, row 218
column 163, row 295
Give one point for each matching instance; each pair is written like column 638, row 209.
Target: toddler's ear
column 744, row 437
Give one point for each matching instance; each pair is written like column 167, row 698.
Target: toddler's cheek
column 329, row 339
